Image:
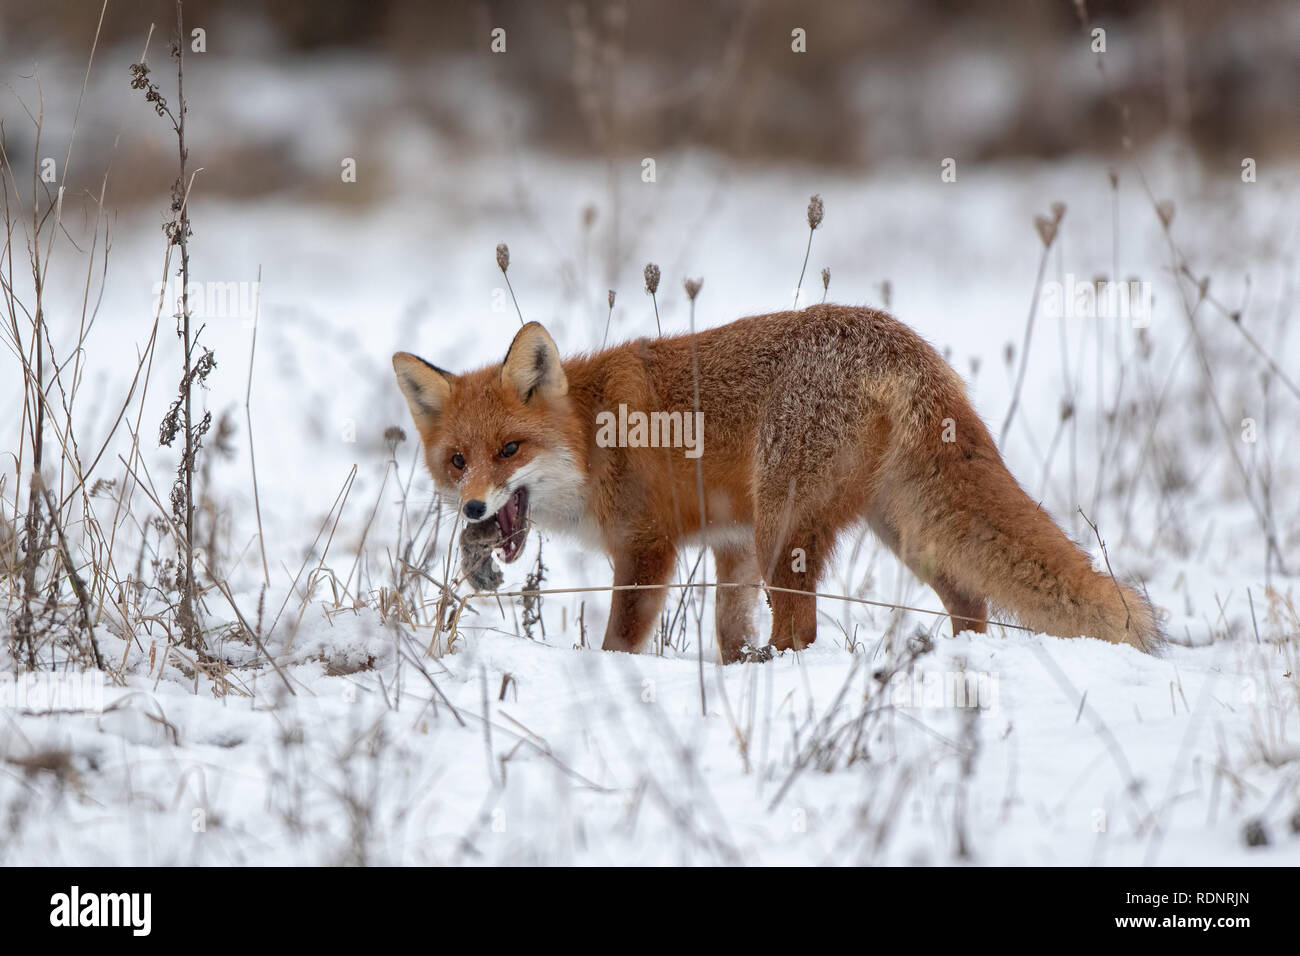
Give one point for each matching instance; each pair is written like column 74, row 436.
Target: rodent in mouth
column 477, row 542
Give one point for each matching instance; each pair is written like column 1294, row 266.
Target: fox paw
column 756, row 655
column 477, row 542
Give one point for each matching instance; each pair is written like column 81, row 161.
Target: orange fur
column 813, row 420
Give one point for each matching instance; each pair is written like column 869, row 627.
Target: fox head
column 503, row 441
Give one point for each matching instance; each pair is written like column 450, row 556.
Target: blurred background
column 880, row 82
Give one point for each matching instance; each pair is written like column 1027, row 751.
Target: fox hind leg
column 799, row 510
column 966, row 612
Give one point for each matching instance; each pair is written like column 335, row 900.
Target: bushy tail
column 981, row 531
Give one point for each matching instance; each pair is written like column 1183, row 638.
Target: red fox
column 811, row 421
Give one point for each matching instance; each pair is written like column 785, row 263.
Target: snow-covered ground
column 367, row 744
column 600, row 759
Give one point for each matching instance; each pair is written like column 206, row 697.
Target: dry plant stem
column 681, row 603
column 1179, row 267
column 248, row 417
column 497, row 780
column 1158, row 829
column 675, row 586
column 69, row 394
column 1235, row 317
column 78, row 586
column 188, row 617
column 608, row 319
column 180, row 416
column 43, row 373
column 1268, row 359
column 536, row 744
column 311, row 582
column 1109, row 442
column 341, row 496
column 742, row 739
column 31, row 525
column 1128, row 620
column 1207, row 373
column 33, row 411
column 704, row 520
column 803, row 269
column 817, row 737
column 389, row 468
column 1133, row 786
column 414, row 661
column 221, row 585
column 146, row 362
column 518, row 311
column 1024, row 350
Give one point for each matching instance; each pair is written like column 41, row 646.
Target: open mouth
column 512, row 519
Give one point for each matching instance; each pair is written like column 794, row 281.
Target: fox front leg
column 633, row 612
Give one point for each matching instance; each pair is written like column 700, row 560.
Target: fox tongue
column 508, row 518
column 511, row 521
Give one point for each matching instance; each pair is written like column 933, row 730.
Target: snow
column 506, row 749
column 604, row 759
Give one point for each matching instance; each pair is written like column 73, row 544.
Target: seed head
column 651, row 278
column 1144, row 345
column 1254, row 833
column 1165, row 210
column 503, row 256
column 1046, row 230
column 394, row 435
column 692, row 287
column 826, row 279
column 815, row 212
column 611, row 298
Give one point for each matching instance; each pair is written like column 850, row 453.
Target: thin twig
column 248, row 417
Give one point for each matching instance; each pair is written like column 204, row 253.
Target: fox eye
column 458, row 461
column 508, row 449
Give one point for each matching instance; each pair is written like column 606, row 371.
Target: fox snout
column 479, row 498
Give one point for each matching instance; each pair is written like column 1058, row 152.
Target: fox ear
column 426, row 387
column 532, row 366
